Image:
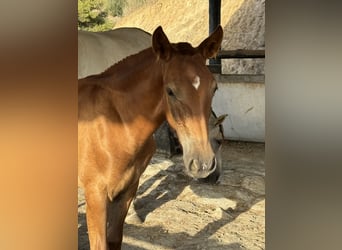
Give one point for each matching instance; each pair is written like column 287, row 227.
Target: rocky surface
column 245, row 30
column 243, row 22
column 173, row 211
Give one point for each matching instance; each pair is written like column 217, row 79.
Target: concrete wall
column 242, row 97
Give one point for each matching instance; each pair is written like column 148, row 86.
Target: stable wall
column 242, row 97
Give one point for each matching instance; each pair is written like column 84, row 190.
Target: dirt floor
column 173, row 211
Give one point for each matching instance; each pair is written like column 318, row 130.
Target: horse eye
column 170, row 92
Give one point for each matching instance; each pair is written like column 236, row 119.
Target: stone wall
column 245, row 30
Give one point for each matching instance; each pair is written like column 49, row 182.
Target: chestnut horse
column 99, row 50
column 120, row 109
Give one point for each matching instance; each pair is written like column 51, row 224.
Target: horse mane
column 182, row 48
column 129, row 64
column 121, row 66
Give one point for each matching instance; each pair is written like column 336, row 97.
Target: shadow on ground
column 168, row 184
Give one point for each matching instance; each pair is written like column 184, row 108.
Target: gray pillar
column 214, row 21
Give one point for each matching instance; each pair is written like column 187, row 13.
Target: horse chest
column 131, row 169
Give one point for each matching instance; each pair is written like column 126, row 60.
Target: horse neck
column 137, row 86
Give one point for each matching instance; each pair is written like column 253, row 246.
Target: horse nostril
column 194, row 165
column 191, row 167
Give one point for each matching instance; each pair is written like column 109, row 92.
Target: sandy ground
column 173, row 211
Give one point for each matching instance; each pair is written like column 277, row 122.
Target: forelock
column 184, row 48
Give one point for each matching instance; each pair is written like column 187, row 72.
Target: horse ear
column 220, row 119
column 210, row 46
column 161, row 45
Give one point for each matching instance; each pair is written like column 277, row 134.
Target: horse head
column 188, row 89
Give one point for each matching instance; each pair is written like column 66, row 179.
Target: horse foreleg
column 118, row 208
column 96, row 218
column 117, row 211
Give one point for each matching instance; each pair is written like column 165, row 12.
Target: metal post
column 214, row 21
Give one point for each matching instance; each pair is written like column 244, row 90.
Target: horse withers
column 120, row 109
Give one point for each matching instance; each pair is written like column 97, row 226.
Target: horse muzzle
column 200, row 169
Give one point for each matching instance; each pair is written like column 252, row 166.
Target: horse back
column 99, row 50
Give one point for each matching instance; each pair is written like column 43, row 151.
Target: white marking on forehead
column 196, row 83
